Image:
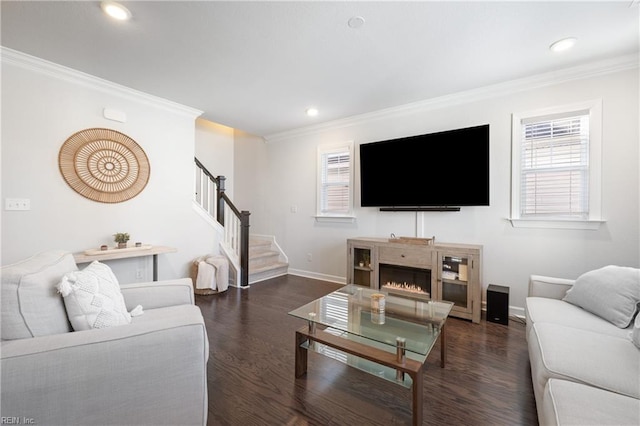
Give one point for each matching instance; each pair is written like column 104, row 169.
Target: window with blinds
column 335, row 166
column 554, row 172
column 556, row 163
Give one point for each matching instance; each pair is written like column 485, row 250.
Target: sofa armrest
column 152, row 371
column 549, row 287
column 158, row 294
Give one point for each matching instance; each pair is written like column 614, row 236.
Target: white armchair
column 150, row 372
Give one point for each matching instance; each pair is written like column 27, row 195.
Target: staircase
column 266, row 259
column 252, row 258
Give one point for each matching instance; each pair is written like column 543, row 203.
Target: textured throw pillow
column 612, row 293
column 93, row 298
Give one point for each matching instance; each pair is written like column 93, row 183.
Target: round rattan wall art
column 104, row 165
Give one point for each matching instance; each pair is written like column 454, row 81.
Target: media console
column 419, row 268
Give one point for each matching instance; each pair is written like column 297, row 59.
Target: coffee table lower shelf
column 391, row 368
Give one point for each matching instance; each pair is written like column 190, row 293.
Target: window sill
column 336, row 219
column 591, row 225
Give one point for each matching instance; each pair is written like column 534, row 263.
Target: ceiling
column 257, row 66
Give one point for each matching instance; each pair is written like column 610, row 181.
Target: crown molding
column 50, row 69
column 580, row 72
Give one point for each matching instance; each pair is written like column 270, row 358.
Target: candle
column 377, row 308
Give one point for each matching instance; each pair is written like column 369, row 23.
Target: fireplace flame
column 411, row 288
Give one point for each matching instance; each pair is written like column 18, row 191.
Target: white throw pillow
column 93, row 298
column 612, row 293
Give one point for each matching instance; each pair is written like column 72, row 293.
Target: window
column 554, row 161
column 556, row 167
column 335, row 177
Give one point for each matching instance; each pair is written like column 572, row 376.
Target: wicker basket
column 194, row 277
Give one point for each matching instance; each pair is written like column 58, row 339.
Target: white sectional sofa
column 584, row 347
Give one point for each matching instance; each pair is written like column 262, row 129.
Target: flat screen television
column 435, row 171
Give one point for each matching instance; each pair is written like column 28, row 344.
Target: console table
column 125, row 253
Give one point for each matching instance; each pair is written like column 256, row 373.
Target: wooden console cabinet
column 454, row 269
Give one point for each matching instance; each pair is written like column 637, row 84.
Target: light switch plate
column 17, row 204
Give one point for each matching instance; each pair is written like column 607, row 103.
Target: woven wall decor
column 104, row 165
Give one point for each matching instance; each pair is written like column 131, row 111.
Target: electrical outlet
column 139, row 274
column 309, row 257
column 17, row 204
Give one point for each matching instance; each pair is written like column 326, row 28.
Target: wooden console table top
column 432, row 246
column 115, row 253
column 125, row 253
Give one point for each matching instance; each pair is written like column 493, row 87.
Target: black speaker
column 498, row 304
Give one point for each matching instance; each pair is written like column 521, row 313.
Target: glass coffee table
column 383, row 334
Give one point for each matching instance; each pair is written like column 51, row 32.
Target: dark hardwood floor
column 251, row 369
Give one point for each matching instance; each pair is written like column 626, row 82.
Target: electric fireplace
column 405, row 281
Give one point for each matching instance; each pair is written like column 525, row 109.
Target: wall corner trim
column 44, row 67
column 579, row 72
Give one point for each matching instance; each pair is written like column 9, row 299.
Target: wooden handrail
column 204, row 169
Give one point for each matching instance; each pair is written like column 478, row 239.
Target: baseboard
column 318, row 276
column 516, row 311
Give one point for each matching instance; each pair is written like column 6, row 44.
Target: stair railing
column 205, row 193
column 210, row 195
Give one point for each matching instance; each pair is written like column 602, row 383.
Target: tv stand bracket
column 419, row 209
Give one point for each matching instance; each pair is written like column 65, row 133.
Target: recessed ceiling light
column 312, row 111
column 562, row 45
column 115, row 10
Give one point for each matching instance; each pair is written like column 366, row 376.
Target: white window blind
column 554, row 169
column 336, row 310
column 335, row 171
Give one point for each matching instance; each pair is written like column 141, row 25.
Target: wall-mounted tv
column 435, row 171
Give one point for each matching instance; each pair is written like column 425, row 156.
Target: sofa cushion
column 607, row 362
column 542, row 309
column 31, row 305
column 635, row 334
column 569, row 403
column 93, row 298
column 612, row 293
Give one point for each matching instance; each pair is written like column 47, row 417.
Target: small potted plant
column 121, row 238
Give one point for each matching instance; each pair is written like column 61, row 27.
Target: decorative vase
column 122, row 245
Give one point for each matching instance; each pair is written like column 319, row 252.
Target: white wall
column 214, row 149
column 510, row 254
column 42, row 105
column 250, row 179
